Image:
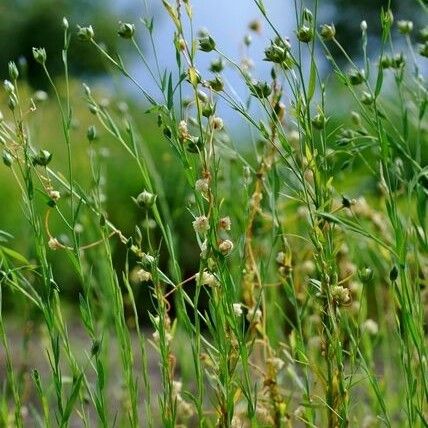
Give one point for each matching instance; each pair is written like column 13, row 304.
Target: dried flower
column 225, row 247
column 201, row 224
column 341, row 295
column 207, row 278
column 237, row 309
column 54, row 244
column 143, row 275
column 202, row 185
column 225, row 223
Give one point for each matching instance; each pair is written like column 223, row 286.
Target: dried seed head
column 237, row 309
column 54, row 195
column 207, row 278
column 225, row 223
column 54, row 244
column 341, row 295
column 254, row 315
column 202, row 185
column 226, row 247
column 143, row 275
column 217, row 123
column 201, row 224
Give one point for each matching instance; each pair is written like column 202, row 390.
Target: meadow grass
column 307, row 301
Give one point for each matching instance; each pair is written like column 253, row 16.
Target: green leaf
column 312, row 80
column 14, row 255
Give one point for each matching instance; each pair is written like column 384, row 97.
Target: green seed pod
column 85, row 34
column 328, row 32
column 126, row 30
column 91, row 133
column 206, row 44
column 42, row 158
column 305, row 34
column 39, row 55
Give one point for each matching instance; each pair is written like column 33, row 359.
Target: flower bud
column 217, row 65
column 365, row 274
column 363, row 26
column 145, row 199
column 367, row 98
column 237, row 309
column 405, row 27
column 328, row 32
column 39, row 55
column 85, row 33
column 206, row 44
column 423, row 50
column 65, row 23
column 307, row 15
column 91, row 133
column 54, row 244
column 126, row 30
column 216, row 84
column 356, row 77
column 42, row 158
column 319, row 121
column 260, row 89
column 305, row 34
column 9, row 87
column 13, row 71
column 7, row 159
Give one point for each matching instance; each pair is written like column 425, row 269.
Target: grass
column 307, row 301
